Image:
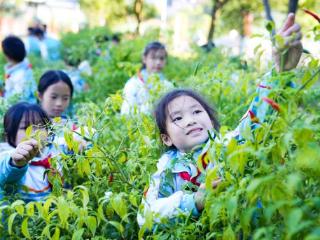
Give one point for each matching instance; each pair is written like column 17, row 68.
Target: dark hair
column 115, row 38
column 33, row 115
column 38, row 32
column 30, row 30
column 14, row 48
column 153, row 46
column 161, row 110
column 52, row 77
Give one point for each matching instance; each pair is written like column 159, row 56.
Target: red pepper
column 145, row 192
column 264, row 86
column 314, row 15
column 272, row 103
column 253, row 117
column 110, row 179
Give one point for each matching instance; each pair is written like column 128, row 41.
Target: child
column 32, row 43
column 19, row 78
column 77, row 71
column 136, row 92
column 185, row 121
column 55, row 91
column 23, row 165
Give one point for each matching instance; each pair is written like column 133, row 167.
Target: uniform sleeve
column 8, row 172
column 129, row 97
column 259, row 110
column 169, row 206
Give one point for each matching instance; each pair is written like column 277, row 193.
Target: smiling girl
column 185, row 122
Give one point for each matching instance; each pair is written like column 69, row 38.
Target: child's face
column 155, row 60
column 187, row 124
column 21, row 133
column 55, row 99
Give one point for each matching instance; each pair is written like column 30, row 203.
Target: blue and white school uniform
column 19, row 82
column 31, row 180
column 136, row 93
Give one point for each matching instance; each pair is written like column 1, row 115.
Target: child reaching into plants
column 19, row 81
column 186, row 122
column 136, row 92
column 24, row 166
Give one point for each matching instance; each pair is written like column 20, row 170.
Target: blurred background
column 239, row 26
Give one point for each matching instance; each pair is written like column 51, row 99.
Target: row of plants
column 271, row 182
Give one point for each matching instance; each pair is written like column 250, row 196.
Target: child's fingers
column 33, row 142
column 18, row 159
column 215, row 183
column 293, row 29
column 288, row 23
column 296, row 44
column 27, row 147
column 24, row 152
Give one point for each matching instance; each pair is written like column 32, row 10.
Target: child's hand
column 215, row 183
column 291, row 48
column 200, row 196
column 24, row 152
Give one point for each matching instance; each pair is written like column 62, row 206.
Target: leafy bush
column 271, row 182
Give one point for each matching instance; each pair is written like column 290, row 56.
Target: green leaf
column 46, row 232
column 118, row 226
column 92, row 224
column 228, row 234
column 56, row 235
column 24, row 228
column 133, row 199
column 120, row 206
column 29, row 132
column 63, row 211
column 270, row 26
column 30, row 209
column 10, row 222
column 77, row 235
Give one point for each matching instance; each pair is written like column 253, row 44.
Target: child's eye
column 197, row 111
column 66, row 98
column 53, row 97
column 176, row 119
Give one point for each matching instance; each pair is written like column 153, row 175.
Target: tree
column 138, row 5
column 9, row 7
column 104, row 11
column 293, row 5
column 141, row 10
column 216, row 6
column 267, row 9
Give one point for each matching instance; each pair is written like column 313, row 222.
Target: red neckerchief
column 43, row 163
column 140, row 77
column 46, row 164
column 186, row 176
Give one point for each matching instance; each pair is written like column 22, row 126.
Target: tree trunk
column 217, row 5
column 268, row 10
column 293, row 5
column 138, row 5
column 268, row 13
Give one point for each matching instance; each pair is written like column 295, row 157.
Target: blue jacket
column 20, row 82
column 9, row 173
